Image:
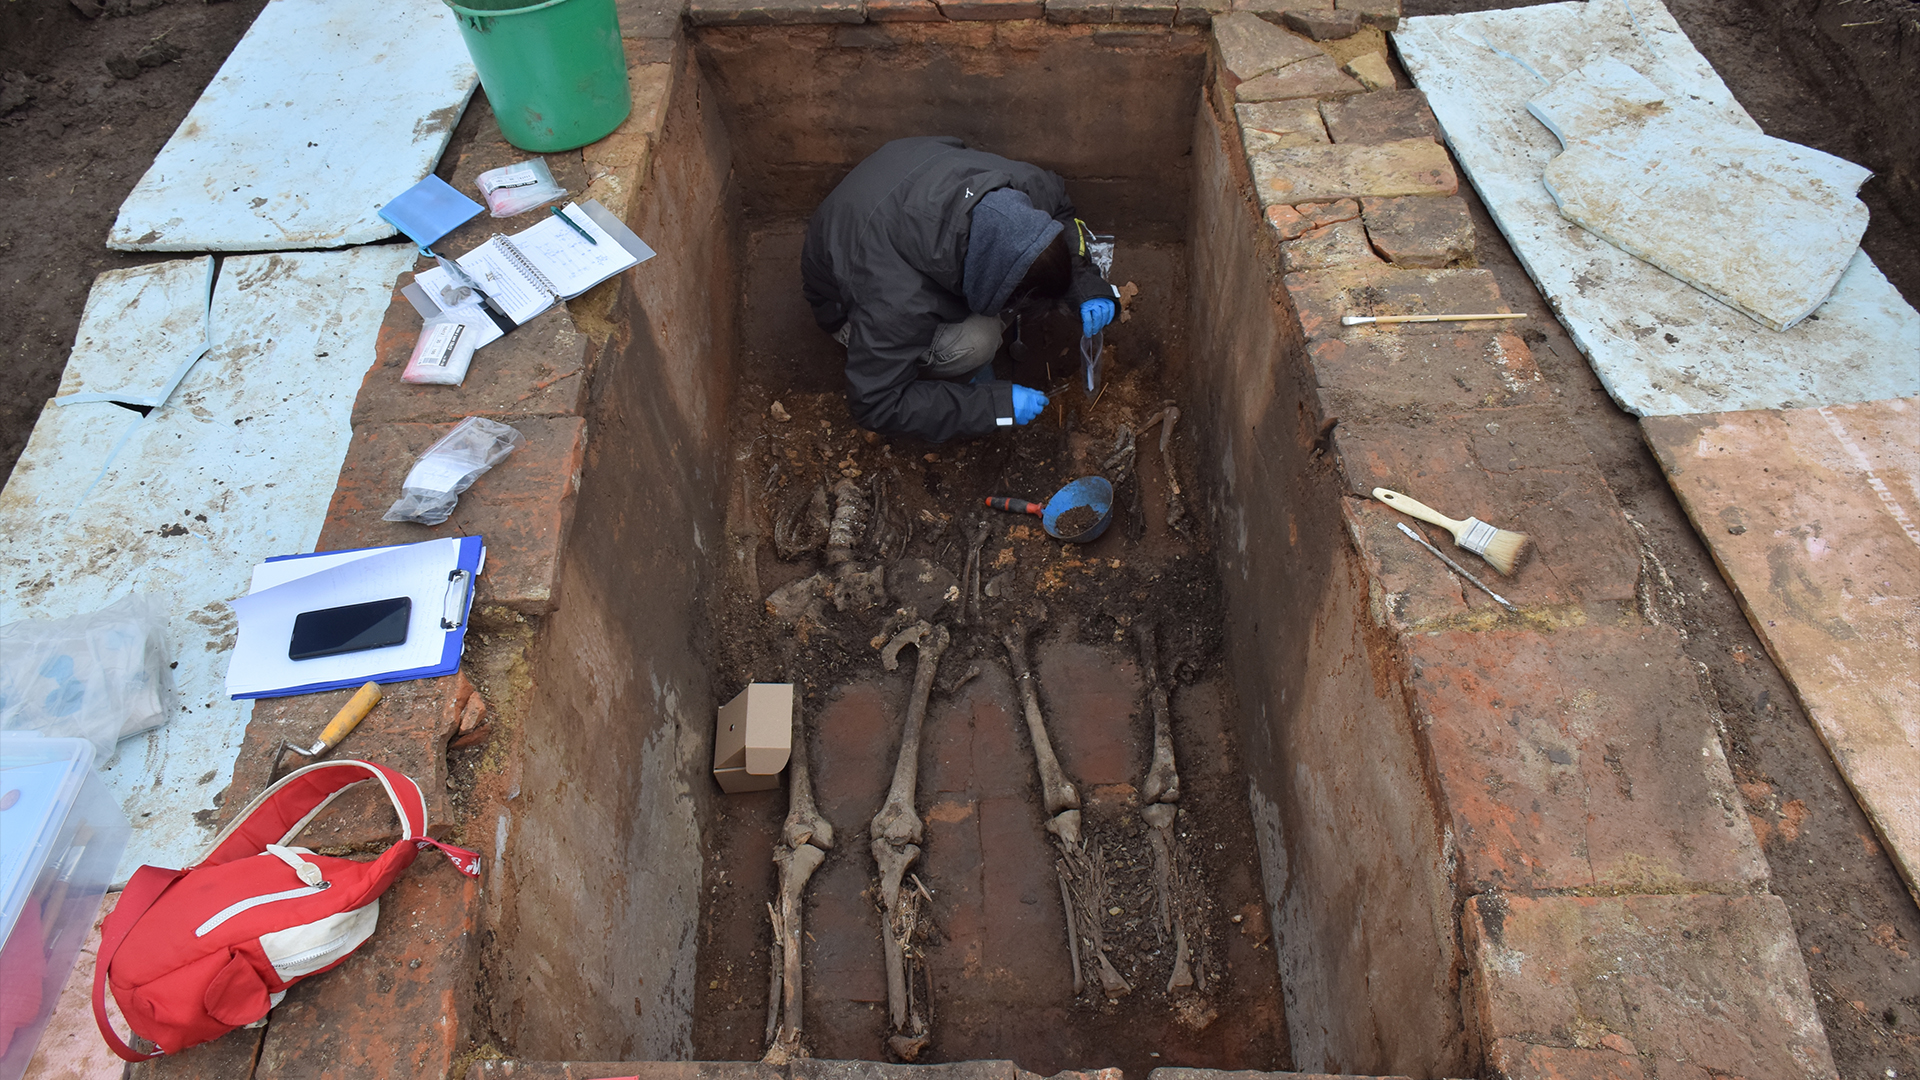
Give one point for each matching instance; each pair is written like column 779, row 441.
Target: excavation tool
column 1099, row 248
column 1086, row 505
column 1090, row 355
column 1362, row 320
column 338, row 728
column 1502, row 549
column 1457, row 568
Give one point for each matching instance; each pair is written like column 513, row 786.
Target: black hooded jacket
column 886, row 254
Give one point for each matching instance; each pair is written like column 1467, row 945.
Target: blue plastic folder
column 437, row 575
column 429, row 210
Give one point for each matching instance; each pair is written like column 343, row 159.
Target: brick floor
column 403, row 1003
column 1690, row 985
column 1089, row 703
column 523, row 505
column 1582, row 759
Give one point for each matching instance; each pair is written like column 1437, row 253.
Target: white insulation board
column 239, row 465
column 324, row 111
column 1660, row 346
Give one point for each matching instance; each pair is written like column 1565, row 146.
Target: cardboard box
column 754, row 737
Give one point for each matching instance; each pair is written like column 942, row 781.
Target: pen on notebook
column 575, row 226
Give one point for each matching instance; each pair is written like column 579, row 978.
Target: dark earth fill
column 1075, row 521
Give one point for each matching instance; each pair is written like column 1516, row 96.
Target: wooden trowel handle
column 349, row 716
column 1415, row 508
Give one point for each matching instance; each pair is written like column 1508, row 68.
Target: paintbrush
column 1502, row 549
column 1457, row 568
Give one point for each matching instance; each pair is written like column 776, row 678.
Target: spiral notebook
column 530, row 271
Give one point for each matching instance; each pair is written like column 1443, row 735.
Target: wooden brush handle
column 1415, row 508
column 1362, row 320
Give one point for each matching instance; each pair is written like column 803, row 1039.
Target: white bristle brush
column 1502, row 549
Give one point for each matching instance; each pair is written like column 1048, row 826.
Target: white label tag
column 441, row 342
column 513, row 177
column 436, row 474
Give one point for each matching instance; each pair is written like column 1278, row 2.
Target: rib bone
column 896, row 828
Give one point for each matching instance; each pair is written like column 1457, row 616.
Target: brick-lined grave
column 1417, row 834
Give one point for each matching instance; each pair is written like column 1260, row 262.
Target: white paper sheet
column 287, row 587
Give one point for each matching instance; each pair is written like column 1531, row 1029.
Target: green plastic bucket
column 554, row 72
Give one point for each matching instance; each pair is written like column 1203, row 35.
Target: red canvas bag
column 192, row 954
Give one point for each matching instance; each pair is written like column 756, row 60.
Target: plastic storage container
column 61, row 836
column 555, row 72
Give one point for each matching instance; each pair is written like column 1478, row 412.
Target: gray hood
column 1007, row 234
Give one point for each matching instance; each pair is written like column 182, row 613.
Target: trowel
column 338, row 728
column 1099, row 248
column 1091, row 349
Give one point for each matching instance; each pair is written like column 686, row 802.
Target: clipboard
column 438, row 575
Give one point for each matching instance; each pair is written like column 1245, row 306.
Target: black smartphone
column 332, row 631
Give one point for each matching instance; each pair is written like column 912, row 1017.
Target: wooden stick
column 1357, row 320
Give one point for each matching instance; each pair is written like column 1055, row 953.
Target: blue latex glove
column 1095, row 314
column 1028, row 404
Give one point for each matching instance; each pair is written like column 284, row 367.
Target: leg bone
column 796, row 867
column 1056, row 790
column 896, row 828
column 804, row 838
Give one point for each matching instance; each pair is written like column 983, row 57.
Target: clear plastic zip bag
column 101, row 676
column 449, row 467
column 444, row 351
column 518, row 188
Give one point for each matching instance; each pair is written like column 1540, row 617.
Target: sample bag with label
column 449, row 467
column 518, row 188
column 444, row 351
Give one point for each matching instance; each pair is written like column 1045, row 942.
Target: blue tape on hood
column 1007, row 234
